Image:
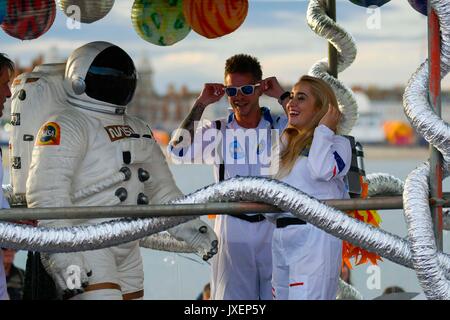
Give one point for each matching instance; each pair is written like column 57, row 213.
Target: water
column 182, row 276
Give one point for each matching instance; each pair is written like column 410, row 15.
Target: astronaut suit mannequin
column 77, row 153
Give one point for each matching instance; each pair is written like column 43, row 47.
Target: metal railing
column 375, row 203
column 434, row 62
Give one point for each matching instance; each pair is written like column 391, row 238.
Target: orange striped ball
column 215, row 18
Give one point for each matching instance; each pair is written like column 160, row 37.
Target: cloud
column 385, row 64
column 28, row 50
column 121, row 12
column 396, row 20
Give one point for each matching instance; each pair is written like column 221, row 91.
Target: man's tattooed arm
column 190, row 123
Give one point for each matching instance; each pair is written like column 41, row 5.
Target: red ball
column 29, row 19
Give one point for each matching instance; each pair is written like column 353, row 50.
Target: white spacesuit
column 85, row 145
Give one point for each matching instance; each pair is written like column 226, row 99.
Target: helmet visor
column 111, row 77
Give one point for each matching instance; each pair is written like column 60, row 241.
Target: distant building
column 19, row 69
column 164, row 112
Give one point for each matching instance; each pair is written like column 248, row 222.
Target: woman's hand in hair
column 331, row 118
column 211, row 93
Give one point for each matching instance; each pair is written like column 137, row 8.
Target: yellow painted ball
column 160, row 22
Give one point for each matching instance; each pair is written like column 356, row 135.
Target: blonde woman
column 315, row 160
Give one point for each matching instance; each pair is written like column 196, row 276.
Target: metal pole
column 376, row 203
column 434, row 63
column 332, row 52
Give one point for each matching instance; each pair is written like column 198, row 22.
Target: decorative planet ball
column 420, row 5
column 215, row 18
column 368, row 3
column 160, row 22
column 86, row 11
column 3, row 6
column 29, row 19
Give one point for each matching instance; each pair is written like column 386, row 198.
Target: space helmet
column 100, row 76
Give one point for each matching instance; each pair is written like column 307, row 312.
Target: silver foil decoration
column 421, row 237
column 165, row 242
column 345, row 45
column 422, row 116
column 347, row 292
column 415, row 99
column 331, row 220
column 431, row 275
column 83, row 237
column 287, row 198
column 383, row 184
column 312, row 211
column 160, row 241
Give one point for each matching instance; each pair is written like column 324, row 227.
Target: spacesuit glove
column 70, row 271
column 197, row 234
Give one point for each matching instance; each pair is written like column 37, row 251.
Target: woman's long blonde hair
column 294, row 140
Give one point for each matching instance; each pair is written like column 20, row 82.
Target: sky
column 275, row 32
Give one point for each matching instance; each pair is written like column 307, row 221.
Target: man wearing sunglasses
column 242, row 268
